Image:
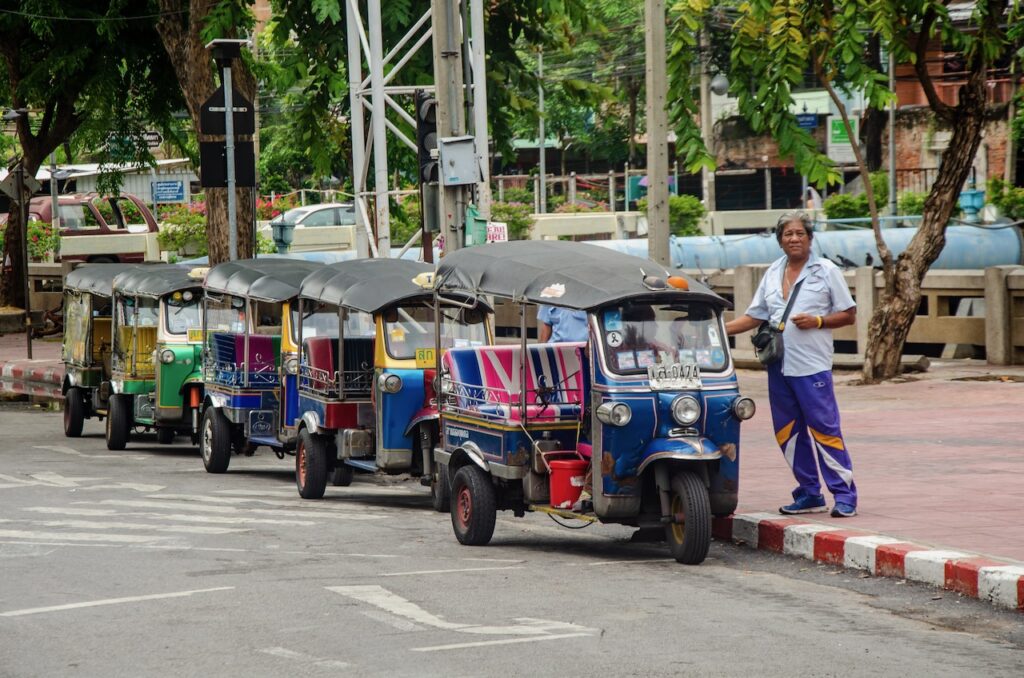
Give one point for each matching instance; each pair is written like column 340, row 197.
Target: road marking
column 182, row 517
column 57, row 480
column 78, row 536
column 96, row 525
column 391, row 620
column 505, row 641
column 634, row 561
column 285, row 653
column 324, row 507
column 110, row 601
column 465, row 569
column 380, row 597
column 138, row 487
column 185, row 506
column 63, row 449
column 11, row 481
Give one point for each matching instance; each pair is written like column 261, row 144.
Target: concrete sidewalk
column 937, row 457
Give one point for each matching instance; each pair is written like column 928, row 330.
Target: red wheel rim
column 465, row 507
column 301, row 454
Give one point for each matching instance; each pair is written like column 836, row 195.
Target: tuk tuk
column 367, row 372
column 647, row 411
column 86, row 349
column 250, row 361
column 156, row 381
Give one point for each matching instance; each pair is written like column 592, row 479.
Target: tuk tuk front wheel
column 689, row 533
column 119, row 421
column 165, row 436
column 440, row 488
column 74, row 412
column 215, row 441
column 473, row 506
column 310, row 465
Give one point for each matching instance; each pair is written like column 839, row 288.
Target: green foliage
column 575, row 208
column 43, row 240
column 518, row 216
column 265, row 244
column 684, row 214
column 267, row 209
column 1009, row 199
column 911, row 203
column 846, row 206
column 129, row 210
column 523, row 195
column 405, row 219
column 183, row 229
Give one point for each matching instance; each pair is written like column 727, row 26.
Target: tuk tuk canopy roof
column 97, row 279
column 367, row 285
column 273, row 280
column 154, row 281
column 558, row 273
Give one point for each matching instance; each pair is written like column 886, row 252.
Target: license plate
column 425, row 358
column 674, row 376
column 261, row 423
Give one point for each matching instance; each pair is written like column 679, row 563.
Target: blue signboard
column 168, row 191
column 807, row 120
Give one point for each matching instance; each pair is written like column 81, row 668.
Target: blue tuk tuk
column 647, row 411
column 367, row 391
column 250, row 361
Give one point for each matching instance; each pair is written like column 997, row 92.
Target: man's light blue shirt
column 566, row 324
column 824, row 292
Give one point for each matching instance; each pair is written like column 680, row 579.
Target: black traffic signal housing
column 426, row 136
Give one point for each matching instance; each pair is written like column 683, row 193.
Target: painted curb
column 38, row 371
column 998, row 582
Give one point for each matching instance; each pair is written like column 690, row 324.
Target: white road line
column 285, row 653
column 647, row 561
column 11, row 481
column 79, row 536
column 63, row 449
column 186, row 547
column 234, row 510
column 57, row 480
column 391, row 620
column 355, row 489
column 116, row 525
column 506, row 641
column 182, row 517
column 465, row 569
column 296, row 502
column 110, row 601
column 138, row 487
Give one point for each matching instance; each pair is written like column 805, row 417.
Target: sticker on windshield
column 626, row 360
column 713, row 337
column 554, row 291
column 704, row 357
column 644, row 358
column 687, row 355
column 613, row 319
column 614, row 339
column 718, row 356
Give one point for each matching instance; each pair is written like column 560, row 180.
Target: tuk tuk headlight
column 291, row 365
column 616, row 414
column 167, row 356
column 686, row 410
column 390, row 383
column 743, row 408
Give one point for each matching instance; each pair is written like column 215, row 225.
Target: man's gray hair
column 790, row 217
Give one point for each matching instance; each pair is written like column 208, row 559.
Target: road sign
column 839, row 147
column 10, row 185
column 168, row 191
column 213, row 161
column 497, row 231
column 153, row 138
column 807, row 120
column 211, row 116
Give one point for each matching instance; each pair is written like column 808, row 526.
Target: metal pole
column 55, row 220
column 892, row 136
column 450, row 120
column 541, row 145
column 380, row 147
column 611, row 191
column 706, row 130
column 657, row 133
column 229, row 149
column 23, row 208
column 480, row 109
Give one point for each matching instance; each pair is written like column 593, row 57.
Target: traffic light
column 426, row 136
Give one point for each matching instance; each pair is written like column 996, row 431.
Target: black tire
column 473, row 506
column 215, row 440
column 119, row 421
column 74, row 412
column 342, row 474
column 690, row 539
column 440, row 489
column 311, row 465
column 165, row 436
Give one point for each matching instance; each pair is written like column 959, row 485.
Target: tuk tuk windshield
column 226, row 314
column 137, row 312
column 635, row 336
column 182, row 312
column 321, row 320
column 77, row 313
column 408, row 328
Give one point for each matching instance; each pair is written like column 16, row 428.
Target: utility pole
column 380, row 148
column 657, row 133
column 450, row 119
column 542, row 185
column 892, row 135
column 706, row 129
column 483, row 193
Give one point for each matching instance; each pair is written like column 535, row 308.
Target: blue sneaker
column 805, row 504
column 841, row 510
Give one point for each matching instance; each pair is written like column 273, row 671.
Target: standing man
column 561, row 324
column 805, row 415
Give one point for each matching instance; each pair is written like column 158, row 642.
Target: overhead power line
column 94, row 20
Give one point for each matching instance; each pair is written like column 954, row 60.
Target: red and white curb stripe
column 39, row 371
column 998, row 582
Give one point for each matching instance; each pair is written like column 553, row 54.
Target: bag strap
column 789, row 307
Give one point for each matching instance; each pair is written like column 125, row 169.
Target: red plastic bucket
column 566, row 481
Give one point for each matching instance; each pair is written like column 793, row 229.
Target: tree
column 773, row 41
column 83, row 66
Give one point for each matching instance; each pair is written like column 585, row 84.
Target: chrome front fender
column 679, row 449
column 311, row 421
column 420, row 417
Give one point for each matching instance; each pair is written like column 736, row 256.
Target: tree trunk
column 217, row 231
column 12, row 282
column 895, row 312
column 875, row 120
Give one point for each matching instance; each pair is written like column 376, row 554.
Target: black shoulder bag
column 767, row 340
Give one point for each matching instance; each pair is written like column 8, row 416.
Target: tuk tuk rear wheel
column 440, row 484
column 473, row 506
column 165, row 436
column 342, row 474
column 689, row 535
column 310, row 465
column 74, row 412
column 215, row 441
column 119, row 421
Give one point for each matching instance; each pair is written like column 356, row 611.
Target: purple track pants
column 805, row 417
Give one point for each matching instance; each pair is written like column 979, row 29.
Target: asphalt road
column 139, row 563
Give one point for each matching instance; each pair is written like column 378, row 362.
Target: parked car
column 330, row 226
column 97, row 229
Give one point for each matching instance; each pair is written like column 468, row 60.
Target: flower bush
column 518, row 216
column 574, row 208
column 268, row 208
column 183, row 229
column 43, row 240
column 1009, row 199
